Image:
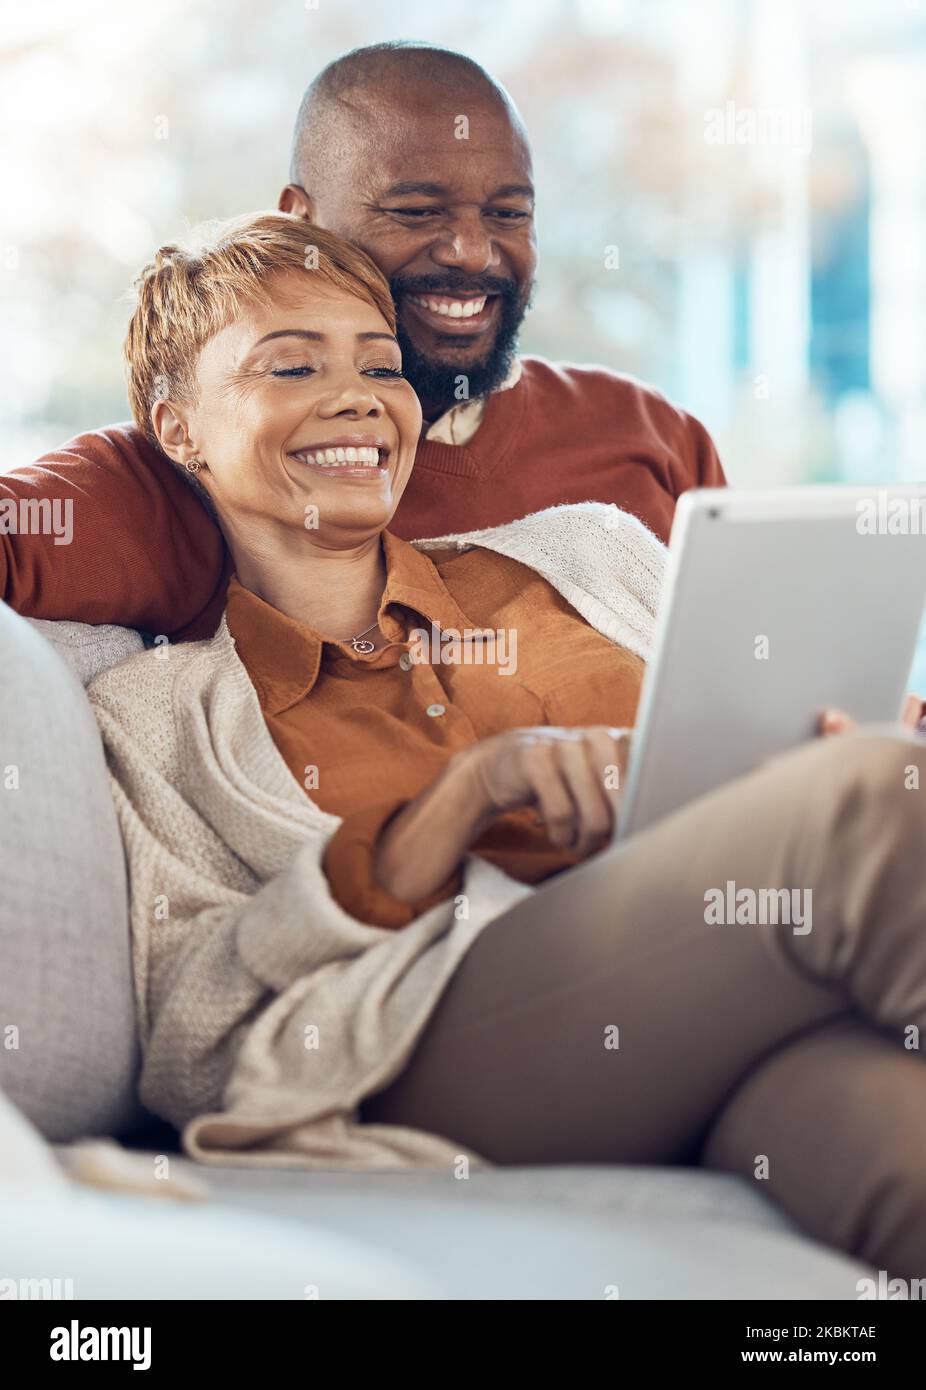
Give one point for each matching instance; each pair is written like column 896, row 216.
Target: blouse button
column 435, row 711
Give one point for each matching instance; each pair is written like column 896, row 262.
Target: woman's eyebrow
column 318, row 337
column 290, row 333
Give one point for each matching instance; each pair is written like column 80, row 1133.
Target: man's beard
column 439, row 384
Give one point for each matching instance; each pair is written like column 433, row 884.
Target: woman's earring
column 192, row 465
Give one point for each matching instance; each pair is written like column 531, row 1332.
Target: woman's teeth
column 451, row 308
column 329, row 457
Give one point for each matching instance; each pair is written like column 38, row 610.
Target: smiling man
column 416, row 154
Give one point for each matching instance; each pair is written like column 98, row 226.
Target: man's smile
column 462, row 315
column 450, row 307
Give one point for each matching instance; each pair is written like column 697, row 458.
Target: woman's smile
column 349, row 456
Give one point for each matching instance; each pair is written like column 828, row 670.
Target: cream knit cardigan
column 266, row 1012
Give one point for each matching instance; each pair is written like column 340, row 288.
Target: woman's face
column 302, row 417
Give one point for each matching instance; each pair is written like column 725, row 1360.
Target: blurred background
column 732, row 196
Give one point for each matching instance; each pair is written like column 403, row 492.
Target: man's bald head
column 353, row 93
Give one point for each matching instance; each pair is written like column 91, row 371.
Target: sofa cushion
column 68, row 1046
column 26, row 1161
column 77, row 1243
column 554, row 1232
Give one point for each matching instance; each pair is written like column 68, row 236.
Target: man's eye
column 509, row 214
column 419, row 214
column 291, row 371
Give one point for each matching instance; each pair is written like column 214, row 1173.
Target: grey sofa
column 66, row 1005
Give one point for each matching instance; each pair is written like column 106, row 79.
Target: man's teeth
column 327, row 457
column 451, row 308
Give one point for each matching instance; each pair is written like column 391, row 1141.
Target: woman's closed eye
column 388, row 373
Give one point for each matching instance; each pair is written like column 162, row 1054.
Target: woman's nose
column 356, row 398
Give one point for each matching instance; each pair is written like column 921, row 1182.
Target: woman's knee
column 833, row 1126
column 858, row 848
column 878, row 761
column 864, row 787
column 885, row 763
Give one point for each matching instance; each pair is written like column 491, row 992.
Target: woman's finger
column 622, row 743
column 608, row 750
column 551, row 794
column 583, row 777
column 913, row 711
column 834, row 721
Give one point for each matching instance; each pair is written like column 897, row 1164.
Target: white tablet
column 775, row 605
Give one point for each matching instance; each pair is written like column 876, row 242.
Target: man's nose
column 464, row 243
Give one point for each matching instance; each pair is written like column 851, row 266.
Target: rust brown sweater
column 145, row 553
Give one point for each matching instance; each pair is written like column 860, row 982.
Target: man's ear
column 295, row 199
column 172, row 432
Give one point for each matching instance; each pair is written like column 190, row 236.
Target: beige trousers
column 632, row 1021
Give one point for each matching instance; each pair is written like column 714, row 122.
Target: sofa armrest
column 68, row 1041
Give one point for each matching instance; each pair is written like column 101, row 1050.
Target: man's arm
column 104, row 530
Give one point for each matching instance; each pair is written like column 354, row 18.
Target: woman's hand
column 835, row 721
column 572, row 776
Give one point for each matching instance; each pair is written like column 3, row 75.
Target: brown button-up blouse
column 364, row 734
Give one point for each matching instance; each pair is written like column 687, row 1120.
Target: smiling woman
column 262, row 360
column 191, row 292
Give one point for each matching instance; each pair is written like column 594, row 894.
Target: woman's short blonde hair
column 194, row 288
